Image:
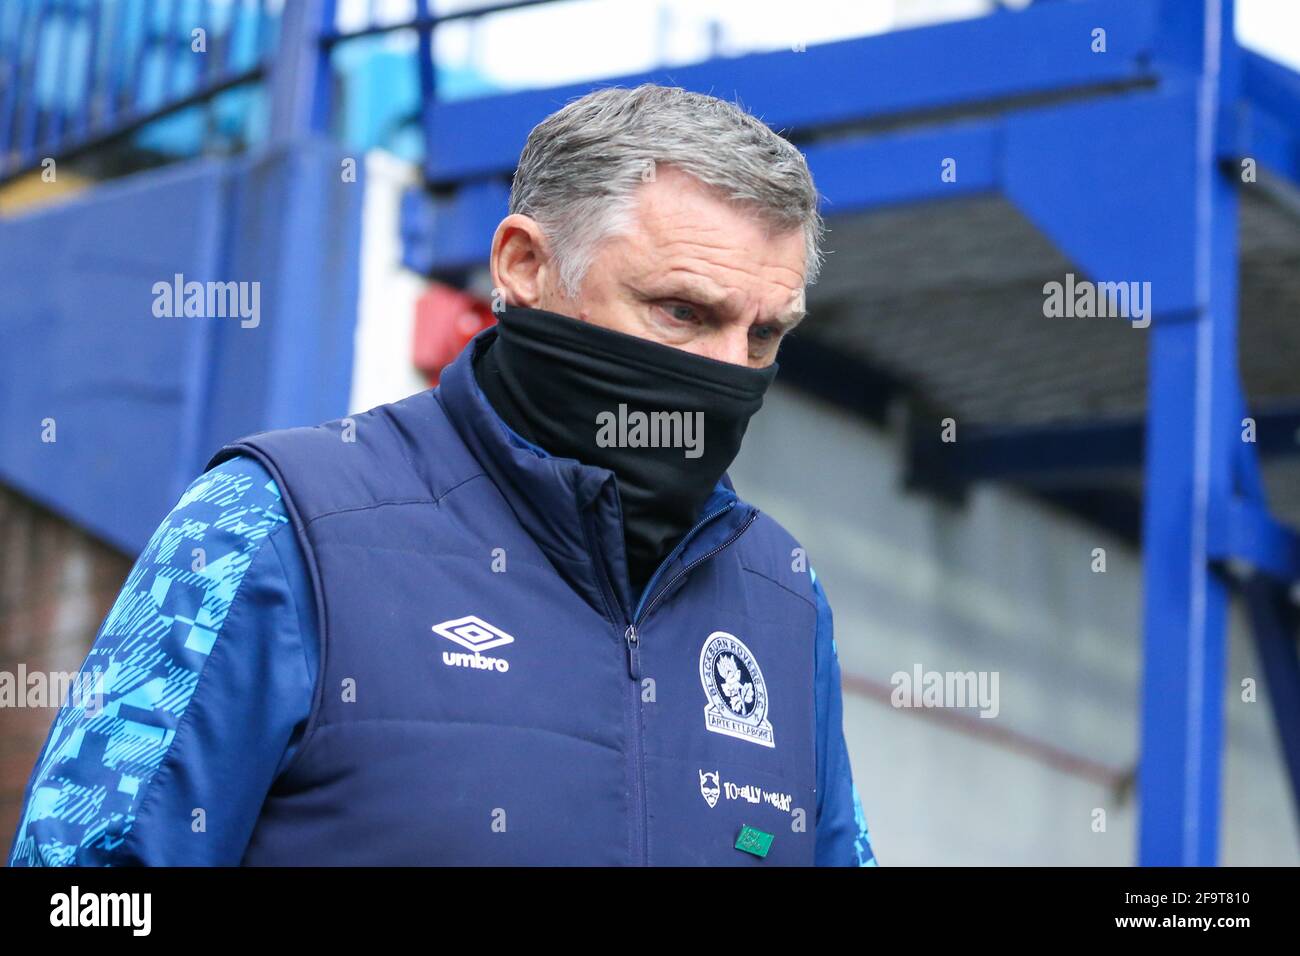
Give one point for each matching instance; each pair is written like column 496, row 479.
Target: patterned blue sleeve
column 842, row 836
column 201, row 679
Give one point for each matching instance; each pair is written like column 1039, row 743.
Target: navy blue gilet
column 490, row 692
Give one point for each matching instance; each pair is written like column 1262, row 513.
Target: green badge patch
column 754, row 841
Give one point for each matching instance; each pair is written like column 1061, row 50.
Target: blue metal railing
column 75, row 74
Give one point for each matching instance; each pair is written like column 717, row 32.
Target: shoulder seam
column 396, row 501
column 299, row 613
column 785, row 587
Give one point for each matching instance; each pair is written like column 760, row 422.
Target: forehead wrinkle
column 718, row 271
column 689, row 259
column 680, row 233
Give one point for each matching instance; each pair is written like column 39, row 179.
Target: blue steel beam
column 454, row 232
column 1037, row 157
column 867, row 172
column 1043, row 49
column 442, row 236
column 1272, row 87
column 1078, row 450
column 1043, row 455
column 1272, row 143
column 1061, row 169
column 1243, row 532
column 481, row 137
column 1271, row 116
column 1193, row 398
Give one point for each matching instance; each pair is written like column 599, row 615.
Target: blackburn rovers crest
column 733, row 685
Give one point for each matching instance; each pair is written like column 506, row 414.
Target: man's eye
column 765, row 333
column 679, row 311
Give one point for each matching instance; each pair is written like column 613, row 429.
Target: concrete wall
column 1003, row 584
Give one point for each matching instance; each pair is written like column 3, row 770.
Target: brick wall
column 57, row 583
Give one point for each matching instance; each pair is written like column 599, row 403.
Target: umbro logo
column 477, row 635
column 474, row 633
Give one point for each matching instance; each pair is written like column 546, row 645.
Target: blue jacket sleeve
column 842, row 836
column 201, row 679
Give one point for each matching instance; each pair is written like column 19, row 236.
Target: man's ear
column 521, row 261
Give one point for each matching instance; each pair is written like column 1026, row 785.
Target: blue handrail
column 76, row 75
column 79, row 73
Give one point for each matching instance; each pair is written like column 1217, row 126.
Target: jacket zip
column 630, row 636
column 632, row 708
column 633, row 641
column 644, row 613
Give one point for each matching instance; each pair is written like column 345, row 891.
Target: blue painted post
column 424, row 53
column 1193, row 398
column 298, row 78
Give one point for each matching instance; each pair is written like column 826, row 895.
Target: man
column 522, row 618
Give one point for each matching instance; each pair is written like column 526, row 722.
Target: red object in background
column 445, row 319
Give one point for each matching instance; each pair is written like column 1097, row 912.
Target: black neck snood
column 666, row 422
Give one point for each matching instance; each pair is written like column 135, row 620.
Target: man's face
column 693, row 272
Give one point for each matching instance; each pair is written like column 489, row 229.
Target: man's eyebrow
column 705, row 294
column 789, row 319
column 696, row 290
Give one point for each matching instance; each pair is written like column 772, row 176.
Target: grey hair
column 581, row 166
